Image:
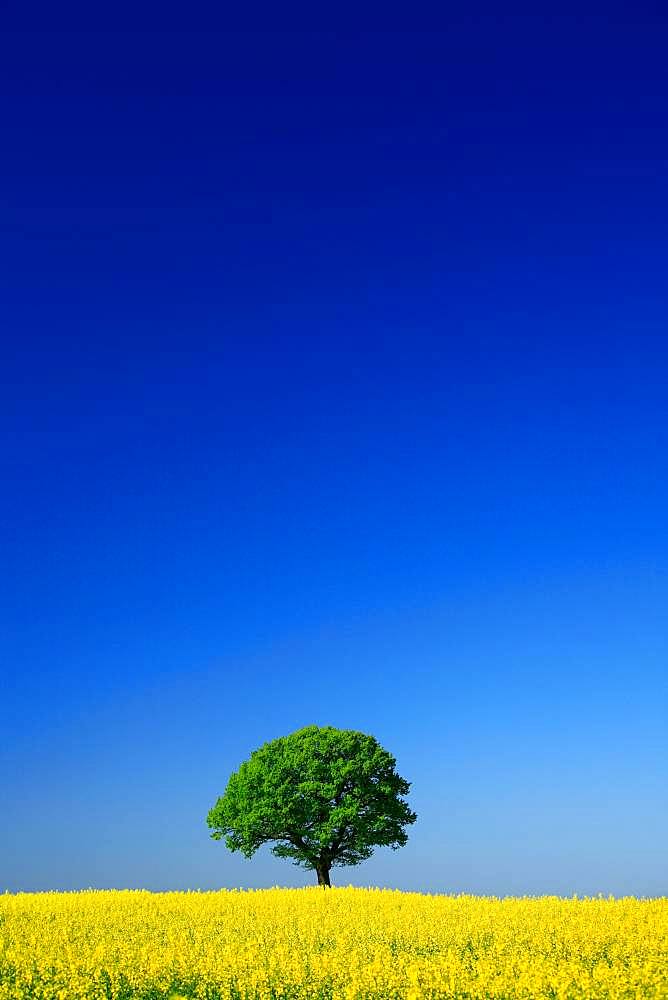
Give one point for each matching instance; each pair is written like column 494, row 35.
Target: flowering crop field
column 344, row 943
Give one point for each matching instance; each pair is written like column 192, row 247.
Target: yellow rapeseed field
column 339, row 943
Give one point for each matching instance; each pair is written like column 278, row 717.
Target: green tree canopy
column 323, row 796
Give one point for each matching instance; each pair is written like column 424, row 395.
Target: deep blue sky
column 333, row 389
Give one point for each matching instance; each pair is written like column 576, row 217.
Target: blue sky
column 333, row 390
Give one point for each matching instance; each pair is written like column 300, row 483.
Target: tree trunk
column 322, row 870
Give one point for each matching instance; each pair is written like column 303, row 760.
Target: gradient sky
column 334, row 390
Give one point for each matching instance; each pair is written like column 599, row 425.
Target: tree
column 325, row 796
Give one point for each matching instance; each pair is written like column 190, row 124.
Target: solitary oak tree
column 323, row 796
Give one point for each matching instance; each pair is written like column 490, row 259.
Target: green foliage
column 323, row 796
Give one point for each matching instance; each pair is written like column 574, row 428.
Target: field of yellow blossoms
column 339, row 943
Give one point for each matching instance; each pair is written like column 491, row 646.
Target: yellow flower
column 347, row 944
